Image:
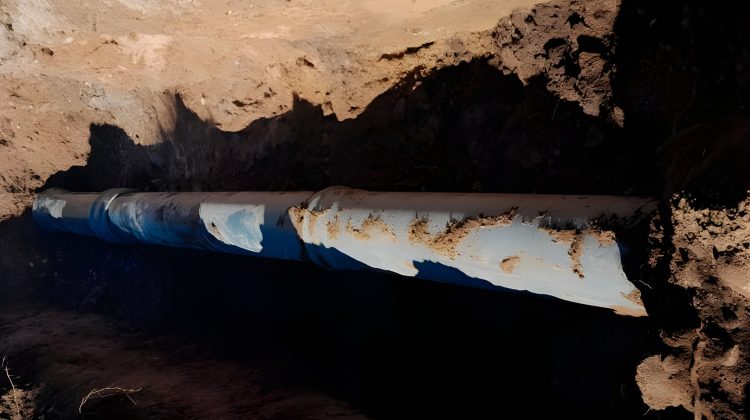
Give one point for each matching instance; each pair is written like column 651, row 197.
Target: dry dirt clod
column 665, row 383
column 711, row 356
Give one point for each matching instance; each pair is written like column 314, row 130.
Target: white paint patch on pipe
column 53, row 206
column 234, row 224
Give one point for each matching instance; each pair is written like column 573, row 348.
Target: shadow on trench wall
column 462, row 128
column 683, row 82
column 398, row 347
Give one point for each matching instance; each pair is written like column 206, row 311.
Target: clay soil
column 577, row 97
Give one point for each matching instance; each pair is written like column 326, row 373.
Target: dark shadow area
column 463, row 128
column 396, row 347
column 683, row 81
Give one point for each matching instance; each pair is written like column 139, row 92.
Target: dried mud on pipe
column 447, row 242
column 575, row 239
column 298, row 216
column 369, row 223
column 508, row 264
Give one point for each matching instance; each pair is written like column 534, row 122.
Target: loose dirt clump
column 665, row 383
column 711, row 259
column 570, row 45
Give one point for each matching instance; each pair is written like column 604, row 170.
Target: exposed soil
column 598, row 97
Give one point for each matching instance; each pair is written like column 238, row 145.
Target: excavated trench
column 394, row 347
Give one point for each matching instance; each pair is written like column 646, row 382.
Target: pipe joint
column 99, row 219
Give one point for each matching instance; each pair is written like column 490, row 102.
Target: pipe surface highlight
column 562, row 246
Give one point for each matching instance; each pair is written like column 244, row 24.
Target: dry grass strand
column 12, row 386
column 108, row 392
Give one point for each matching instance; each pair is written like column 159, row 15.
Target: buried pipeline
column 567, row 247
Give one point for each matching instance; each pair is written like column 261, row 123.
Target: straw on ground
column 108, row 392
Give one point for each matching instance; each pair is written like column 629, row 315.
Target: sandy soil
column 596, row 97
